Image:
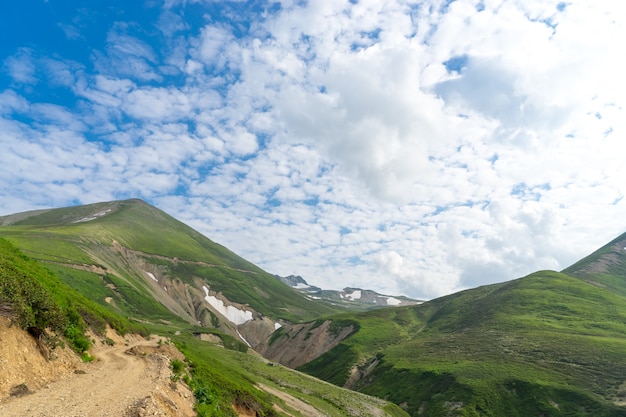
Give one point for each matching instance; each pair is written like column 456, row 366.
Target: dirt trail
column 305, row 409
column 117, row 384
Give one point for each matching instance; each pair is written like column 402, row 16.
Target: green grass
column 512, row 349
column 549, row 344
column 54, row 238
column 53, row 244
column 219, row 376
column 609, row 267
column 40, row 302
column 224, row 377
column 84, row 282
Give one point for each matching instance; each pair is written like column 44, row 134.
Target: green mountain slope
column 127, row 254
column 548, row 344
column 126, row 262
column 40, row 303
column 605, row 268
column 221, row 376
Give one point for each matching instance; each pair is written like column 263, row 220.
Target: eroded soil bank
column 130, row 379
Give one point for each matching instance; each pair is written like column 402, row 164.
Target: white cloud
column 127, row 56
column 21, row 67
column 10, row 102
column 163, row 104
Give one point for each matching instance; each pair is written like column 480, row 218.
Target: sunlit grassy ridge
column 133, row 224
column 74, row 235
column 605, row 268
column 547, row 344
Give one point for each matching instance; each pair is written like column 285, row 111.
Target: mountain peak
column 351, row 298
column 69, row 215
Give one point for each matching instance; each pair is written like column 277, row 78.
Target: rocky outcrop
column 257, row 331
column 297, row 344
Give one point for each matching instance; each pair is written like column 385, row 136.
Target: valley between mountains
column 98, row 279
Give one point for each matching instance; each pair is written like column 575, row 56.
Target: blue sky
column 410, row 147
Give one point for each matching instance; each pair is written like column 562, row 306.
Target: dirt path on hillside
column 305, row 409
column 129, row 381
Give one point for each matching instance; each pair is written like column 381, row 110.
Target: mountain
column 128, row 254
column 132, row 267
column 605, row 268
column 549, row 344
column 39, row 314
column 349, row 298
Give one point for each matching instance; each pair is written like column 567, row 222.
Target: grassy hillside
column 221, row 376
column 547, row 344
column 605, row 268
column 39, row 302
column 104, row 249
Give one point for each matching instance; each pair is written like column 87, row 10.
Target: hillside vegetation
column 39, row 302
column 75, row 270
column 604, row 268
column 547, row 344
column 107, row 249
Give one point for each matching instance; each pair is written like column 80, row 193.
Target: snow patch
column 232, row 313
column 356, row 295
column 93, row 216
column 393, row 301
column 151, row 275
column 277, row 326
column 301, row 286
column 243, row 338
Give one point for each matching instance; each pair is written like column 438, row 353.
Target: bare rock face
column 296, row 345
column 257, row 331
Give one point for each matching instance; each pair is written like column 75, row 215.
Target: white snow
column 93, row 216
column 243, row 338
column 151, row 275
column 277, row 326
column 356, row 295
column 393, row 301
column 301, row 286
column 232, row 313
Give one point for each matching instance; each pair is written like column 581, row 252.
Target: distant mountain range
column 549, row 344
column 352, row 298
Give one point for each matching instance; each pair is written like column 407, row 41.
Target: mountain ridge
column 226, row 381
column 133, row 252
column 351, row 297
column 549, row 344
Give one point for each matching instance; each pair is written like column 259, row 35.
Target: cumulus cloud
column 126, row 55
column 21, row 67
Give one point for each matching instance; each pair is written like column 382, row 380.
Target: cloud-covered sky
column 409, row 147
